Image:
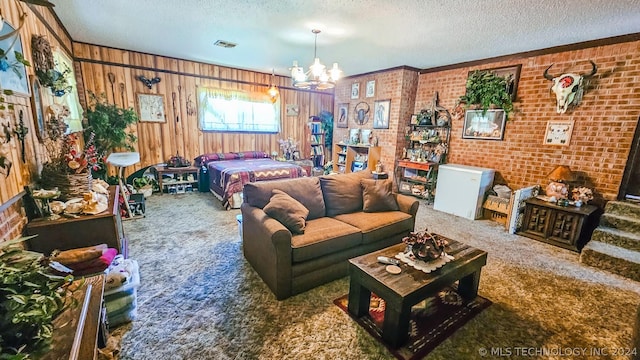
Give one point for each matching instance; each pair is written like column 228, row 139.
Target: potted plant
column 143, row 185
column 109, row 124
column 32, row 295
column 486, row 89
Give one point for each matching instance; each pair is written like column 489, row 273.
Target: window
column 71, row 99
column 237, row 111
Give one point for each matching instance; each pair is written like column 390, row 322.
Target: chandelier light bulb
column 317, row 69
column 335, row 72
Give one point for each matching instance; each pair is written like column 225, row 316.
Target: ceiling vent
column 225, row 44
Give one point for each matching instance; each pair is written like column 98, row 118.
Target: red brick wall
column 12, row 221
column 604, row 122
column 399, row 85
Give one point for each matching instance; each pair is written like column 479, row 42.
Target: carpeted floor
column 199, row 299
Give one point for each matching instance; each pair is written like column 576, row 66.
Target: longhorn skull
column 568, row 87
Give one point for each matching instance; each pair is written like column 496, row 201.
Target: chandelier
column 317, row 77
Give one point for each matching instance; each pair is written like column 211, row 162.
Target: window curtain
column 71, row 99
column 238, row 111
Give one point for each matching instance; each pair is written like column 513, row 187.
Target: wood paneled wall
column 39, row 21
column 180, row 133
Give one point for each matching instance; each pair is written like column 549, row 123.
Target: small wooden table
column 178, row 171
column 411, row 286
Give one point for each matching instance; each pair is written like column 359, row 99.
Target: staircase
column 615, row 243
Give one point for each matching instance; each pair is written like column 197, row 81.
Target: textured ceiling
column 361, row 35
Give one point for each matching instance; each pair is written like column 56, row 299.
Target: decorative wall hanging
column 568, row 87
column 42, row 56
column 512, row 74
column 37, row 109
column 355, row 90
column 148, row 82
column 487, row 126
column 292, row 109
column 371, row 88
column 381, row 114
column 343, row 115
column 558, row 132
column 13, row 74
column 21, row 132
column 151, row 108
column 362, row 113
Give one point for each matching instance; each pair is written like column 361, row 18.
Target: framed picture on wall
column 487, row 126
column 371, row 88
column 355, row 90
column 558, row 132
column 151, row 108
column 36, row 108
column 292, row 109
column 343, row 116
column 14, row 77
column 381, row 114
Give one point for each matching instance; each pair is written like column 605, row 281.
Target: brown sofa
column 336, row 228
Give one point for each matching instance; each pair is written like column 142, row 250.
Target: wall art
column 151, row 107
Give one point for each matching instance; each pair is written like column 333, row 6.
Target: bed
column 228, row 172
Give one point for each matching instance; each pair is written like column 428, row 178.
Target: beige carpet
column 199, row 299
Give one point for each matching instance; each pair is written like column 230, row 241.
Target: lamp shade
column 561, row 173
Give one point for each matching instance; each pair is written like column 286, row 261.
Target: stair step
column 621, row 222
column 615, row 259
column 623, row 208
column 623, row 239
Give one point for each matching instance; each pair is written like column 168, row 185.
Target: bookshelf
column 352, row 158
column 316, row 142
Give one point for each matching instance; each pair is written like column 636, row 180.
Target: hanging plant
column 486, row 89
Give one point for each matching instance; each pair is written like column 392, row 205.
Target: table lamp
column 558, row 178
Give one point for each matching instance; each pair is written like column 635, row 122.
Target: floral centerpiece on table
column 288, row 147
column 582, row 194
column 424, row 245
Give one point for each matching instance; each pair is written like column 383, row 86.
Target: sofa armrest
column 266, row 245
column 409, row 205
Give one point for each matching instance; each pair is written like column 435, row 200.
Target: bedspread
column 228, row 177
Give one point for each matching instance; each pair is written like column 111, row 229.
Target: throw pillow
column 289, row 211
column 342, row 193
column 377, row 196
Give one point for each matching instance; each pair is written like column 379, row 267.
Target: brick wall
column 604, row 122
column 12, row 221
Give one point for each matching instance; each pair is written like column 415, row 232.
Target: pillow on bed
column 252, row 155
column 207, row 158
column 377, row 196
column 288, row 211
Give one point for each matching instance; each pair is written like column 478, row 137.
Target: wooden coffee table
column 411, row 286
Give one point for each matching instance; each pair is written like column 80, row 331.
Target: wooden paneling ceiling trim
column 172, row 72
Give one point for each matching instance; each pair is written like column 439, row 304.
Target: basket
column 69, row 185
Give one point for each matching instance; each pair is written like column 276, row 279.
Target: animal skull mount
column 362, row 113
column 568, row 87
column 148, row 82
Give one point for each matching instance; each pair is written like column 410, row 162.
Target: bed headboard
column 204, row 159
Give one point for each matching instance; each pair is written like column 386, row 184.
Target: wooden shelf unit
column 316, row 142
column 351, row 158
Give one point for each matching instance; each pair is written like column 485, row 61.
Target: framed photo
column 558, row 132
column 371, row 88
column 343, row 116
column 381, row 114
column 512, row 74
column 15, row 77
column 414, row 119
column 151, row 108
column 355, row 90
column 292, row 109
column 488, row 126
column 36, row 108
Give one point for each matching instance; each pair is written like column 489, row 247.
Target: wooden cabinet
column 85, row 230
column 352, row 158
column 80, row 329
column 569, row 227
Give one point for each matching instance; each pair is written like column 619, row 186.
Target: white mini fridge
column 460, row 189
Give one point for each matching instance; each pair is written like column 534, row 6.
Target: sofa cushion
column 377, row 195
column 288, row 211
column 306, row 190
column 378, row 225
column 342, row 192
column 324, row 236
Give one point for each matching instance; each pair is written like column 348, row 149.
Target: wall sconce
column 273, row 90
